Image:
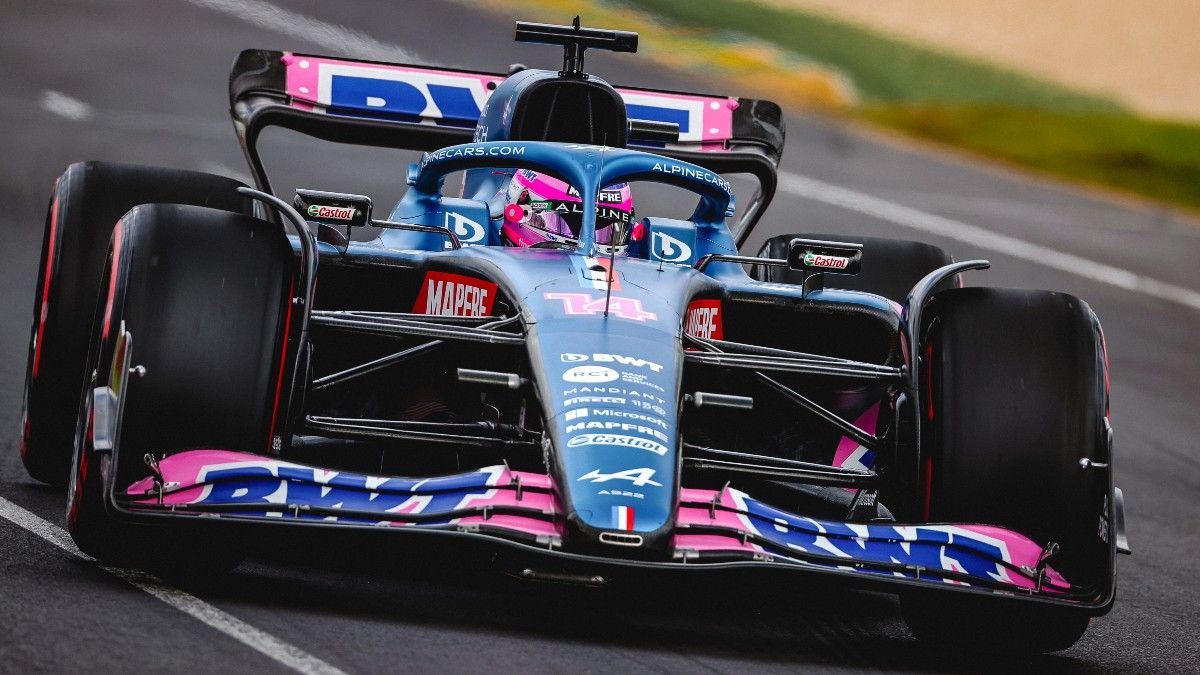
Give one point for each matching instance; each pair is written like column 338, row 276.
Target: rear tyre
column 891, row 267
column 1015, row 397
column 87, row 200
column 202, row 295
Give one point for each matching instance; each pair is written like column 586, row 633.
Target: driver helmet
column 543, row 209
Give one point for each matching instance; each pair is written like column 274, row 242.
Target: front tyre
column 87, row 200
column 1014, row 399
column 188, row 346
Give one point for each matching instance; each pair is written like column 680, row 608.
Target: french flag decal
column 623, row 517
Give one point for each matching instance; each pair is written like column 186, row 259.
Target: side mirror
column 332, row 209
column 829, row 257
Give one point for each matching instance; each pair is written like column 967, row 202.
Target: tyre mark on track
column 262, row 642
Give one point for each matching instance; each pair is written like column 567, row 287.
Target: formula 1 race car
column 617, row 394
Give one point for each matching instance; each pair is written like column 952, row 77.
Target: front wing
column 712, row 527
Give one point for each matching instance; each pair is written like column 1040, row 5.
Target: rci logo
column 590, row 374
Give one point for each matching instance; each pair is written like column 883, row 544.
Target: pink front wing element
column 733, row 513
column 188, row 472
column 517, row 523
column 1022, row 552
column 733, row 516
column 712, row 542
column 543, row 501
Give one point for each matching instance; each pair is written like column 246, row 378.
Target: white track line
column 836, row 195
column 334, row 37
column 268, row 645
column 65, row 106
column 340, row 38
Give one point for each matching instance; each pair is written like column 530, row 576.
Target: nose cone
column 610, row 387
column 614, row 433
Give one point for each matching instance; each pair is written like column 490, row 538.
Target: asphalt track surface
column 145, row 80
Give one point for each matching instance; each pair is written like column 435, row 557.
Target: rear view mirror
column 830, row 257
column 334, row 208
column 329, row 210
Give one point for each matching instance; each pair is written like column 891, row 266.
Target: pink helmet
column 544, row 209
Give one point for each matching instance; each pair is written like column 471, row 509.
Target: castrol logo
column 832, row 262
column 331, row 212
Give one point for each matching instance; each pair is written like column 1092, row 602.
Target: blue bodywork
column 609, row 384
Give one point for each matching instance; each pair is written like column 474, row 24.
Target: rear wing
column 420, row 108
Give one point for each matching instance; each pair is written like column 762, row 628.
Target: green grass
column 882, row 68
column 970, row 104
column 1151, row 158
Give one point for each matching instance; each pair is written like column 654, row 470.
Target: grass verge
column 804, row 59
column 1150, row 158
column 972, row 105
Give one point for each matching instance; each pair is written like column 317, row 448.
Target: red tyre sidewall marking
column 929, row 382
column 1107, row 387
column 928, row 485
column 82, row 472
column 24, row 433
column 44, row 308
column 928, row 460
column 287, row 327
column 112, row 280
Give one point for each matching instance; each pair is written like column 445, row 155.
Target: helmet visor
column 566, row 219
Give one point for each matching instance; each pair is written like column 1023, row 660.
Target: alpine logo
column 669, row 249
column 332, row 212
column 618, row 439
column 704, row 320
column 639, row 477
column 832, row 262
column 445, row 294
column 585, row 304
column 612, row 358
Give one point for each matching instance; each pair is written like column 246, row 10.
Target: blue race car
column 550, row 365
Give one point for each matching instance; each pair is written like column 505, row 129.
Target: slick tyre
column 1014, row 399
column 87, row 200
column 199, row 298
column 891, row 267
